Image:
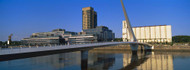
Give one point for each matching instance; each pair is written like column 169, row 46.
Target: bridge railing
column 50, row 45
column 21, row 49
column 55, row 45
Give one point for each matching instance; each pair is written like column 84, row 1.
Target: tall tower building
column 89, row 18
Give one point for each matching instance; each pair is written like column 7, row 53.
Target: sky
column 24, row 17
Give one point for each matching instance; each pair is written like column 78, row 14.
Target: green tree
column 181, row 39
column 1, row 43
column 118, row 39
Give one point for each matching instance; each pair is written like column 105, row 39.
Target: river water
column 102, row 60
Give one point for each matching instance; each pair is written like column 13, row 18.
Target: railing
column 49, row 47
column 20, row 49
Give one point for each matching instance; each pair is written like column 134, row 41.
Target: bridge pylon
column 129, row 28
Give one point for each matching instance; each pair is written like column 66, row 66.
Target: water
column 102, row 60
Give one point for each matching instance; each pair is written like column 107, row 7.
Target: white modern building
column 56, row 36
column 82, row 39
column 149, row 34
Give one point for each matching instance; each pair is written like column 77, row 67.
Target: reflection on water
column 99, row 60
column 134, row 61
column 152, row 62
column 158, row 62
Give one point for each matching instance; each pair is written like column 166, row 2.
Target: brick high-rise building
column 89, row 18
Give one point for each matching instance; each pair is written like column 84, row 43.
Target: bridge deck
column 58, row 47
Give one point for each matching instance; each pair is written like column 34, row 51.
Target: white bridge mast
column 129, row 28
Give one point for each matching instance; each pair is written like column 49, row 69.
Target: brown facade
column 89, row 18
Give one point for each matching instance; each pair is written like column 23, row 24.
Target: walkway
column 60, row 47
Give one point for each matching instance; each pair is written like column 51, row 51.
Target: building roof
column 149, row 26
column 88, row 8
column 58, row 30
column 102, row 27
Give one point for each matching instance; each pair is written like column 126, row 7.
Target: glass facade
column 102, row 33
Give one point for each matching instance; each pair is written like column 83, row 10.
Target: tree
column 118, row 39
column 1, row 43
column 181, row 39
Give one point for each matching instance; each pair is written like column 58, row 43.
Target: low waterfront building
column 57, row 36
column 149, row 34
column 82, row 39
column 98, row 34
column 102, row 33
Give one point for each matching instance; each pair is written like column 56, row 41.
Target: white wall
column 160, row 33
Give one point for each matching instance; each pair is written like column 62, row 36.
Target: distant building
column 90, row 31
column 57, row 36
column 101, row 32
column 9, row 39
column 89, row 18
column 82, row 39
column 149, row 34
column 98, row 34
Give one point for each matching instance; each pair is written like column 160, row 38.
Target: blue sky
column 24, row 17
